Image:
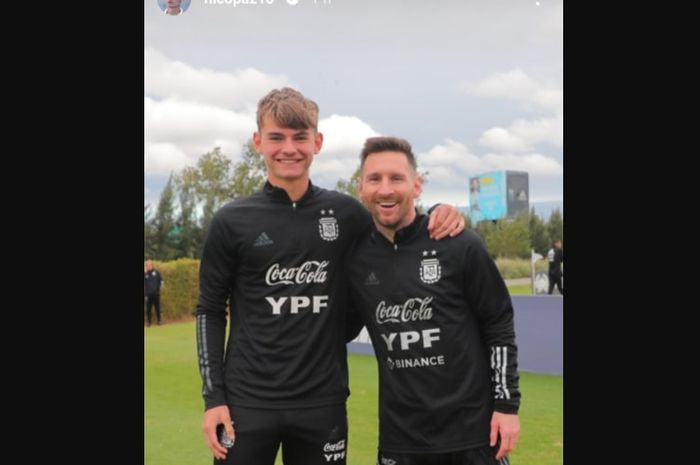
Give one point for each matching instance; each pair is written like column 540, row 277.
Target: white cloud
column 451, row 164
column 163, row 158
column 343, row 138
column 446, row 162
column 219, row 60
column 522, row 135
column 178, row 132
column 534, row 163
column 240, row 89
column 503, row 139
column 518, row 86
column 190, row 111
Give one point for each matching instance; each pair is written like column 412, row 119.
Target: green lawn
column 173, row 406
column 520, row 289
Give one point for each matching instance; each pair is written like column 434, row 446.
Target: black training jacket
column 555, row 257
column 281, row 264
column 441, row 323
column 152, row 281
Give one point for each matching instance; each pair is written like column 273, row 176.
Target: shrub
column 178, row 296
column 513, row 267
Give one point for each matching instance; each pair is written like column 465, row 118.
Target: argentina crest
column 430, row 270
column 328, row 226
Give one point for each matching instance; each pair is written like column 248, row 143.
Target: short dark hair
column 387, row 144
column 289, row 108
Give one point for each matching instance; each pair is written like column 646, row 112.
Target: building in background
column 498, row 194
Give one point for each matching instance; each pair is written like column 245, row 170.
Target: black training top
column 441, row 323
column 555, row 257
column 152, row 280
column 281, row 263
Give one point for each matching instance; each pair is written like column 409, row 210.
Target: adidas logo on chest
column 263, row 240
column 372, row 280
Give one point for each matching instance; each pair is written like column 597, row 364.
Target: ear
column 257, row 140
column 417, row 186
column 318, row 142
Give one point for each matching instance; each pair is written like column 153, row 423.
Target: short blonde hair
column 288, row 108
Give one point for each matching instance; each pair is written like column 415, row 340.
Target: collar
column 405, row 234
column 178, row 13
column 279, row 194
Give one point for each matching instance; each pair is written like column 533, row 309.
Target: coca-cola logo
column 340, row 445
column 415, row 309
column 307, row 273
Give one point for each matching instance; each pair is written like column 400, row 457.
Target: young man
column 441, row 323
column 278, row 255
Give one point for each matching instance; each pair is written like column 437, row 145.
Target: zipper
column 395, row 270
column 294, row 230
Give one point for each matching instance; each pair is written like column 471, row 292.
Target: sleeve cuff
column 506, row 407
column 214, row 402
column 433, row 208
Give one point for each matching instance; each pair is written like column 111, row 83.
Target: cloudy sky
column 474, row 85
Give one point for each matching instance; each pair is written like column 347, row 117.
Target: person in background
column 152, row 283
column 555, row 256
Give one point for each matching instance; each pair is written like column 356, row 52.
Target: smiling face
column 288, row 153
column 388, row 187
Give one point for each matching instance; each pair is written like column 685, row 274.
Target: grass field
column 520, row 289
column 173, row 406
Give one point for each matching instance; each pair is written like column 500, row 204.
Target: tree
column 164, row 246
column 485, row 229
column 555, row 226
column 249, row 174
column 467, row 221
column 188, row 234
column 201, row 190
column 213, row 183
column 149, row 233
column 423, row 175
column 349, row 186
column 511, row 238
column 538, row 233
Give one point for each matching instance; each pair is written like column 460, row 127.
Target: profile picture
column 174, row 7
